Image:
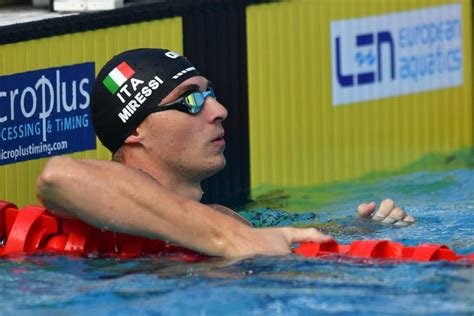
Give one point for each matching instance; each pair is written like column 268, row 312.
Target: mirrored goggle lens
column 195, row 100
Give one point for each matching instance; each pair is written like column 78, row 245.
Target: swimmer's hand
column 387, row 213
column 278, row 240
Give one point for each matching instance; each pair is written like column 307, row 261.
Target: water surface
column 442, row 202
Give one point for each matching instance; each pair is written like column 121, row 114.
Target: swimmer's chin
column 222, row 164
column 218, row 166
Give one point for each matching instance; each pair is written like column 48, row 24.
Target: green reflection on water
column 364, row 189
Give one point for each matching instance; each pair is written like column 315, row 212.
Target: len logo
column 379, row 40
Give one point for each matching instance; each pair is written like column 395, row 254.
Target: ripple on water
column 442, row 202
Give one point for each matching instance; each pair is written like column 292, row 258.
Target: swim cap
column 129, row 86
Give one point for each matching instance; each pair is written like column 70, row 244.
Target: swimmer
column 163, row 124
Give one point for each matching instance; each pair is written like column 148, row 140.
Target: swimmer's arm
column 109, row 195
column 229, row 212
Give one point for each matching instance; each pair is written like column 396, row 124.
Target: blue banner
column 46, row 113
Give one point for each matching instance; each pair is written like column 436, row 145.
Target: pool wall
column 295, row 115
column 307, row 127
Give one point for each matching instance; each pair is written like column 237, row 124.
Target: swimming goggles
column 191, row 102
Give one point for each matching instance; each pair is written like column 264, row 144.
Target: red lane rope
column 33, row 229
column 381, row 249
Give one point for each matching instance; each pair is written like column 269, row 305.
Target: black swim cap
column 129, row 86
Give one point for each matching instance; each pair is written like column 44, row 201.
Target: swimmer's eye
column 191, row 102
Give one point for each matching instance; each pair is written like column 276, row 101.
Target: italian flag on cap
column 118, row 76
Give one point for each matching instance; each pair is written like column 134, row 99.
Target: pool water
column 442, row 202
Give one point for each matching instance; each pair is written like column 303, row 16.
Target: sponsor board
column 396, row 54
column 46, row 113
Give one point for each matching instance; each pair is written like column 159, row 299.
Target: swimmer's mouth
column 218, row 138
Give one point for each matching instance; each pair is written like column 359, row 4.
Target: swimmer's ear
column 134, row 138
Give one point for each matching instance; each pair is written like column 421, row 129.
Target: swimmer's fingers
column 398, row 217
column 387, row 213
column 407, row 221
column 366, row 209
column 311, row 234
column 386, row 207
column 395, row 215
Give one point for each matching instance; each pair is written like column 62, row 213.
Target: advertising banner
column 46, row 113
column 396, row 54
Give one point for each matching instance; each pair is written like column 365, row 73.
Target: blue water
column 442, row 202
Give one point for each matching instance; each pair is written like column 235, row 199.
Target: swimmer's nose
column 215, row 110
